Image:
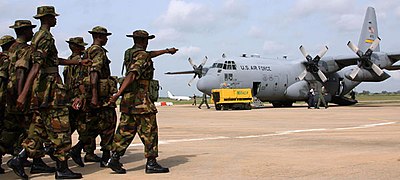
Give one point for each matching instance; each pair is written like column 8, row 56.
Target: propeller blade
column 190, row 82
column 180, row 72
column 354, row 73
column 305, row 54
column 204, row 61
column 303, row 74
column 376, row 69
column 322, row 76
column 323, row 52
column 191, row 62
column 375, row 44
column 354, row 48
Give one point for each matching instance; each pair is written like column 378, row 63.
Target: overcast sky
column 210, row 28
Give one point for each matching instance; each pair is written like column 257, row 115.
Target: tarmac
column 353, row 142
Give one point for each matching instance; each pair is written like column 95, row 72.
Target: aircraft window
column 214, row 65
column 219, row 65
column 229, row 67
column 234, row 67
column 224, row 66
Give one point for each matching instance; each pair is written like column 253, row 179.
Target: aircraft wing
column 181, row 72
column 339, row 62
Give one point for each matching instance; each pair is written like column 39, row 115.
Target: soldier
column 17, row 121
column 73, row 79
column 50, row 114
column 5, row 43
column 137, row 105
column 321, row 98
column 101, row 118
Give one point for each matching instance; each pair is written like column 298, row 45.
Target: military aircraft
column 282, row 83
column 178, row 98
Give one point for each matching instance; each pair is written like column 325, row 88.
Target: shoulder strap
column 130, row 56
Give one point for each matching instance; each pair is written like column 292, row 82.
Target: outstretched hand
column 172, row 50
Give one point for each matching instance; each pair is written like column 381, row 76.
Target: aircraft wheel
column 247, row 106
column 218, row 107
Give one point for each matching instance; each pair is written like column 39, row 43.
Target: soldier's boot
column 63, row 172
column 16, row 164
column 153, row 167
column 115, row 165
column 75, row 154
column 1, row 162
column 50, row 151
column 91, row 157
column 38, row 166
column 104, row 158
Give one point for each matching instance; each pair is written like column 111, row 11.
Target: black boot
column 38, row 166
column 75, row 154
column 63, row 172
column 104, row 158
column 16, row 164
column 115, row 165
column 91, row 157
column 1, row 162
column 50, row 151
column 153, row 167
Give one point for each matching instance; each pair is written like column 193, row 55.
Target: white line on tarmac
column 281, row 133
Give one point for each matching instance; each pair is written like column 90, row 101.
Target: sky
column 211, row 28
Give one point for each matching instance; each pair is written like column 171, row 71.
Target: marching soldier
column 5, row 43
column 101, row 117
column 50, row 114
column 73, row 80
column 139, row 92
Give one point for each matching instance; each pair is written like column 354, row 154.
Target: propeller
column 365, row 58
column 312, row 64
column 198, row 71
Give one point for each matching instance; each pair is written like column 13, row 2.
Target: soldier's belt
column 50, row 70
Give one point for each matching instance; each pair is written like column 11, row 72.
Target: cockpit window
column 217, row 65
column 229, row 65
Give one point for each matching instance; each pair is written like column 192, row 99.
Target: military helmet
column 77, row 40
column 99, row 30
column 140, row 34
column 22, row 23
column 45, row 10
column 6, row 39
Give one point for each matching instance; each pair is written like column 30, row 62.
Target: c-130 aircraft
column 282, row 83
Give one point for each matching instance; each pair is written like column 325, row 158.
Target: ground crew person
column 311, row 98
column 204, row 100
column 73, row 79
column 50, row 114
column 138, row 112
column 321, row 98
column 5, row 43
column 101, row 117
column 194, row 100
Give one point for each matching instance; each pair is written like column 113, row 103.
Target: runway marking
column 279, row 133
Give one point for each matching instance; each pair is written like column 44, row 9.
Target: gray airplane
column 282, row 83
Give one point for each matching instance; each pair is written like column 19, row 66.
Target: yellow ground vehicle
column 232, row 98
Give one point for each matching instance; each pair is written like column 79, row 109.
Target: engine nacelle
column 297, row 91
column 365, row 75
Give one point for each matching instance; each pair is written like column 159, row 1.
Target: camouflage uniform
column 73, row 78
column 100, row 121
column 138, row 112
column 50, row 114
column 4, row 64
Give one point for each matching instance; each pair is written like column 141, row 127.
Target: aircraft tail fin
column 170, row 94
column 369, row 31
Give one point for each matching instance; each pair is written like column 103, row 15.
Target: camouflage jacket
column 137, row 101
column 20, row 57
column 73, row 77
column 48, row 89
column 4, row 62
column 101, row 65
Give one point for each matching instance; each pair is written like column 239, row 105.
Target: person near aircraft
column 311, row 97
column 204, row 100
column 194, row 100
column 321, row 98
column 353, row 95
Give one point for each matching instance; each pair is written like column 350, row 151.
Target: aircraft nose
column 207, row 83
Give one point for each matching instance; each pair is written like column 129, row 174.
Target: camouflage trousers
column 14, row 131
column 77, row 120
column 146, row 127
column 49, row 124
column 100, row 121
